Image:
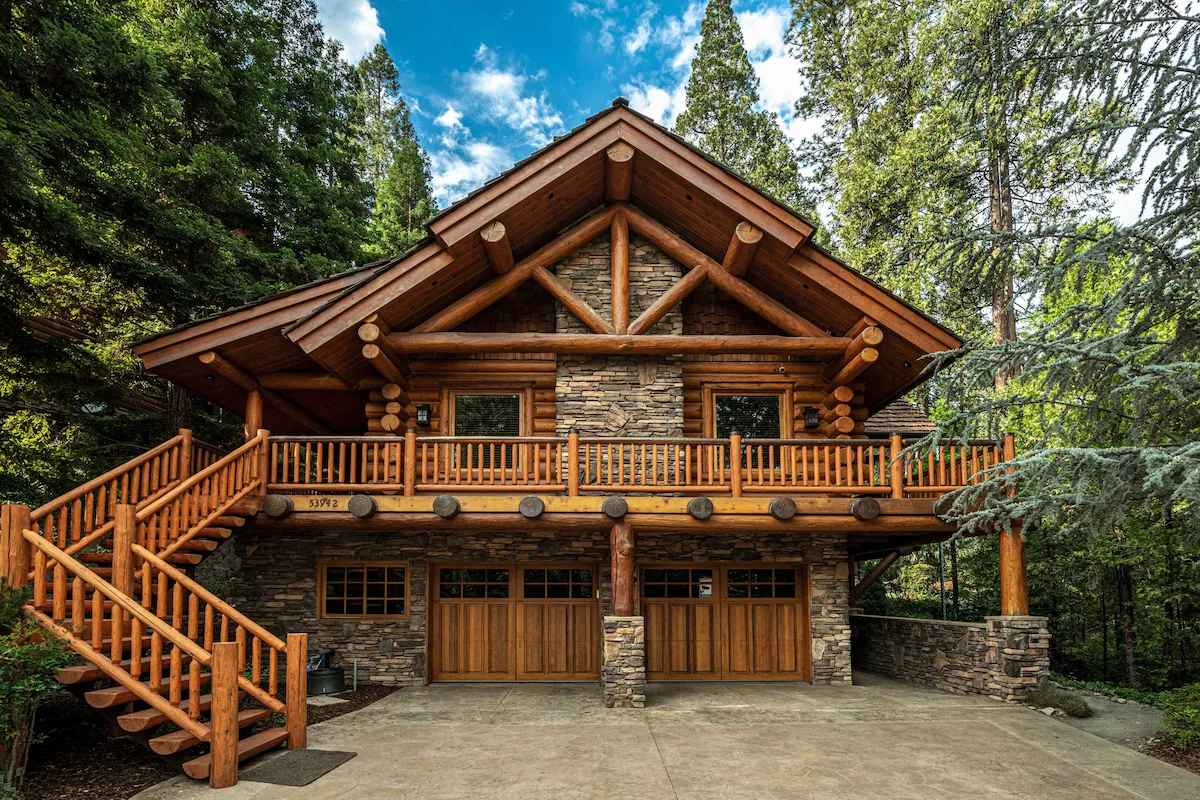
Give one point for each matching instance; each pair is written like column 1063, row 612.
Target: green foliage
column 1112, row 690
column 1047, row 695
column 720, row 116
column 1182, row 717
column 28, row 662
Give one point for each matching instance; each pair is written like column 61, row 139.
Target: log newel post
column 573, row 464
column 1014, row 582
column 735, row 465
column 14, row 550
column 124, row 537
column 254, row 414
column 897, row 467
column 264, row 461
column 410, row 462
column 297, row 691
column 622, row 569
column 185, row 454
column 223, row 715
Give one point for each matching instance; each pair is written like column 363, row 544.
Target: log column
column 622, row 569
column 1014, row 583
column 14, row 550
column 254, row 415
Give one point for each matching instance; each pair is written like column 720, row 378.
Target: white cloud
column 640, row 37
column 450, row 118
column 456, row 172
column 662, row 104
column 502, row 95
column 602, row 13
column 355, row 23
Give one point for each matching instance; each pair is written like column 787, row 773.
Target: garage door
column 503, row 622
column 727, row 622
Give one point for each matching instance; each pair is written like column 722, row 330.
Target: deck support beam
column 861, row 587
column 253, row 416
column 621, row 547
column 238, row 376
column 1014, row 581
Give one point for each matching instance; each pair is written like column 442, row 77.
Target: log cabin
column 616, row 419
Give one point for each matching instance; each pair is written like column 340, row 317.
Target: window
column 472, row 583
column 558, row 583
column 696, row 583
column 759, row 583
column 496, row 415
column 754, row 416
column 364, row 589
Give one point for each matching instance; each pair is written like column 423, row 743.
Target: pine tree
column 721, row 117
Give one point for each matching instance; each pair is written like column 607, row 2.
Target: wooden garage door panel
column 558, row 641
column 683, row 640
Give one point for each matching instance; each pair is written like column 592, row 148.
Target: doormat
column 297, row 767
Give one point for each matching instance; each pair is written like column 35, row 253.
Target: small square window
column 754, row 416
column 366, row 590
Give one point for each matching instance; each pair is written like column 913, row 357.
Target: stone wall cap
column 1027, row 617
column 921, row 621
column 628, row 619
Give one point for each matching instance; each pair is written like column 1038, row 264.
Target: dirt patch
column 76, row 757
column 1165, row 752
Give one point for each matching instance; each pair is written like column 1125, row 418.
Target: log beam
column 870, row 337
column 742, row 248
column 497, row 246
column 861, row 587
column 840, row 394
column 853, row 368
column 754, row 299
column 592, row 344
column 316, row 381
column 392, row 366
column 618, row 173
column 253, row 418
column 620, row 273
column 466, row 307
column 239, row 377
column 668, row 300
column 571, row 301
column 621, row 546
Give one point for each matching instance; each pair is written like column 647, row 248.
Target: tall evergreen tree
column 721, row 117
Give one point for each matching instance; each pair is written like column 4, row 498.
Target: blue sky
column 490, row 82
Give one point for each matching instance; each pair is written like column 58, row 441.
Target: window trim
column 523, row 391
column 323, row 565
column 711, row 393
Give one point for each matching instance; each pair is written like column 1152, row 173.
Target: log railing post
column 14, row 550
column 264, row 461
column 735, row 465
column 185, row 454
column 297, row 690
column 1014, row 582
column 224, row 716
column 573, row 464
column 896, row 480
column 621, row 544
column 410, row 462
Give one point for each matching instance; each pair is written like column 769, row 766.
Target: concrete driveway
column 878, row 739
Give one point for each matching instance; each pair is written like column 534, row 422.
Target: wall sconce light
column 423, row 415
column 812, row 417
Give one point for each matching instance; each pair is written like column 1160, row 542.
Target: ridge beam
column 497, row 246
column 618, row 173
column 742, row 248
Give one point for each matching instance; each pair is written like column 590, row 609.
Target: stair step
column 244, row 509
column 198, row 768
column 149, row 718
column 81, row 673
column 112, row 696
column 230, row 521
column 216, row 532
column 174, row 558
column 171, row 743
column 197, row 544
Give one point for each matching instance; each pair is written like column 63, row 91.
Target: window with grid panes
column 558, row 583
column 761, row 582
column 681, row 582
column 754, row 416
column 492, row 415
column 364, row 589
column 471, row 583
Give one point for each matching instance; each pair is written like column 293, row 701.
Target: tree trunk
column 178, row 403
column 954, row 576
column 1128, row 636
column 1004, row 317
column 1104, row 626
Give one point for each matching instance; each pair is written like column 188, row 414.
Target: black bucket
column 326, row 680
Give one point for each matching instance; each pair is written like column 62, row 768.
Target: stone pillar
column 1018, row 655
column 624, row 662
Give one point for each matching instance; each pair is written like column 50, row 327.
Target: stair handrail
column 187, row 483
column 134, row 609
column 230, row 613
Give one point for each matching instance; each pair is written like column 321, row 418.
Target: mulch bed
column 76, row 757
column 1189, row 760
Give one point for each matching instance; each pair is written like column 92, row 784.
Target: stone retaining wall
column 1001, row 657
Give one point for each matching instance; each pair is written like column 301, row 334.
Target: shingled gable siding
column 275, row 583
column 619, row 395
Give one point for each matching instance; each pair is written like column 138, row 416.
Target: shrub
column 1182, row 716
column 28, row 661
column 1046, row 694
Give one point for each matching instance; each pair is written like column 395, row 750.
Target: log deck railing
column 573, row 464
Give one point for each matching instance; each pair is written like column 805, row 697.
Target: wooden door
column 474, row 630
column 558, row 630
column 766, row 622
column 683, row 622
column 730, row 622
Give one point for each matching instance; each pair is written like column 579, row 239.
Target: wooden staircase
column 165, row 660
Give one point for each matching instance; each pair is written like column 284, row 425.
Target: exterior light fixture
column 812, row 417
column 423, row 415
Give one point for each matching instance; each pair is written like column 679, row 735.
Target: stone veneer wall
column 619, row 395
column 623, row 664
column 1001, row 657
column 275, row 583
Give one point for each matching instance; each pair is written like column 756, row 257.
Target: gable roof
column 314, row 328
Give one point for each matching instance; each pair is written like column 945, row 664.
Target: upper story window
column 486, row 414
column 754, row 416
